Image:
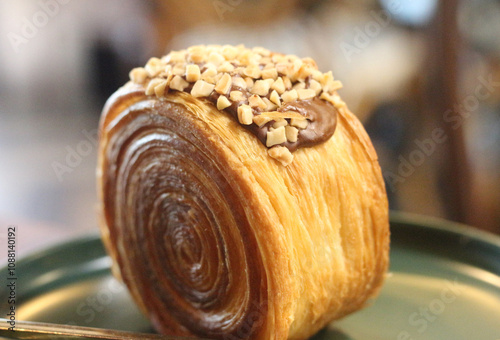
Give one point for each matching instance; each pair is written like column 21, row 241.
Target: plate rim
column 395, row 217
column 444, row 225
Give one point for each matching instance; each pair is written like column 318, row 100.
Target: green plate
column 444, row 283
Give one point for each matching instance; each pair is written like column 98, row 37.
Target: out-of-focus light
column 479, row 24
column 411, row 12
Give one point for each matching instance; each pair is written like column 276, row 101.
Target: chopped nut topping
column 224, row 84
column 223, row 102
column 261, row 120
column 252, row 71
column 167, row 71
column 249, row 58
column 245, row 115
column 269, row 81
column 269, row 73
column 138, row 75
column 289, row 96
column 276, row 136
column 306, row 94
column 332, row 86
column 275, row 98
column 295, row 69
column 240, row 82
column 176, row 56
column 280, row 122
column 317, row 75
column 256, row 101
column 202, row 89
column 192, row 73
column 325, row 78
column 215, row 58
column 281, row 154
column 196, row 54
column 334, row 99
column 316, row 86
column 310, row 62
column 229, row 52
column 179, row 70
column 287, row 82
column 262, row 51
column 277, row 58
column 267, row 63
column 260, row 88
column 299, row 123
column 249, row 82
column 178, row 83
column 209, row 74
column 226, row 67
column 152, row 84
column 270, row 106
column 304, row 71
column 254, row 82
column 160, row 88
column 154, row 66
column 279, row 86
column 236, row 96
column 292, row 133
column 299, row 86
column 217, row 77
column 239, row 71
column 282, row 68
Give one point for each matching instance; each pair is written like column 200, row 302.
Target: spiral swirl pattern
column 177, row 226
column 215, row 239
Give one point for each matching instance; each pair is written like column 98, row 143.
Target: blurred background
column 423, row 76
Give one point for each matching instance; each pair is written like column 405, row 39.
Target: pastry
column 239, row 197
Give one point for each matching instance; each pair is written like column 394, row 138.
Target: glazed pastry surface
column 216, row 238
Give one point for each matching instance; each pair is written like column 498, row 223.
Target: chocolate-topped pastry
column 239, row 198
column 284, row 100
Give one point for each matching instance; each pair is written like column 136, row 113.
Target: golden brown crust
column 284, row 100
column 311, row 239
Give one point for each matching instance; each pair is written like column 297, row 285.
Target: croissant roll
column 239, row 198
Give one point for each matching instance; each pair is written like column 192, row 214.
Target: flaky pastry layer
column 216, row 239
